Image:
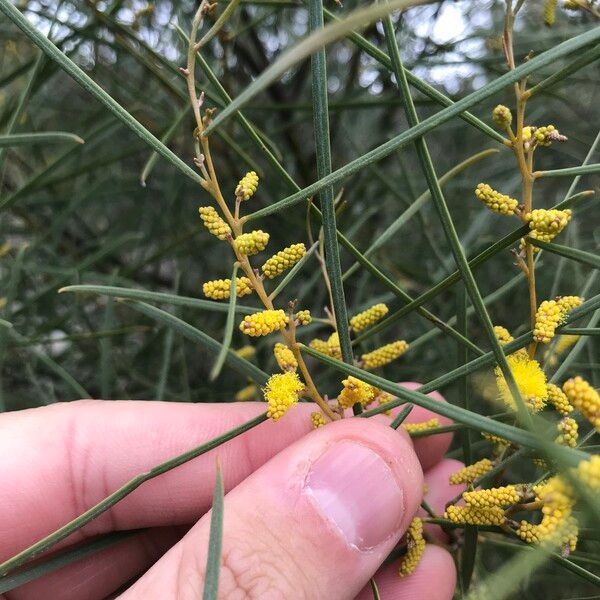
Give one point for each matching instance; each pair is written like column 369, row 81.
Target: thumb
column 316, row 521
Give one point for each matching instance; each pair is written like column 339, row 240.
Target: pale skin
column 59, row 460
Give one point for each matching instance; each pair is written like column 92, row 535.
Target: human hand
column 307, row 514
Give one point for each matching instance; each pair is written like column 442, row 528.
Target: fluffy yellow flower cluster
column 368, row 317
column 264, row 322
column 559, row 400
column 218, row 289
column 472, row 515
column 281, row 392
column 584, row 398
column 214, row 223
column 252, row 243
column 285, row 357
column 283, row 260
column 530, row 380
column 502, row 116
column 247, row 186
column 567, row 432
column 472, row 472
column 415, row 546
column 550, row 314
column 545, row 224
column 331, row 346
column 500, row 496
column 499, row 203
column 356, row 391
column 384, row 355
column 421, row 426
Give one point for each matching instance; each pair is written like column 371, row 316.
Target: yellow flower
column 589, row 472
column 499, row 442
column 247, row 393
column 285, row 357
column 559, row 400
column 333, row 345
column 264, row 322
column 568, row 303
column 584, row 398
column 247, row 186
column 317, row 419
column 472, row 515
column 544, row 136
column 502, row 116
column 281, row 392
column 251, row 243
column 384, row 355
column 550, row 314
column 472, row 472
column 527, row 132
column 218, row 289
column 499, row 203
column 550, row 12
column 355, row 391
column 502, row 334
column 545, row 224
column 500, row 496
column 421, row 426
column 214, row 223
column 530, row 380
column 319, row 345
column 368, row 317
column 567, row 432
column 415, row 546
column 283, row 260
column 303, row 317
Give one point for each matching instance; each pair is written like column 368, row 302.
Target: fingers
column 86, row 450
column 316, row 521
column 434, row 579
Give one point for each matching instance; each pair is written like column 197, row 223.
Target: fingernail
column 355, row 490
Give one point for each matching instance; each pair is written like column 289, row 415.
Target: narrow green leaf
column 586, row 258
column 580, row 331
column 374, row 589
column 583, row 170
column 218, row 24
column 467, row 556
column 215, row 542
column 48, row 137
column 401, row 416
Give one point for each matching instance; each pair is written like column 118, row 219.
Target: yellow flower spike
column 415, row 546
column 471, row 515
column 354, row 391
column 584, row 398
column 303, row 317
column 568, row 432
column 502, row 116
column 500, row 443
column 550, row 12
column 264, row 322
column 317, row 419
column 545, row 224
column 214, row 223
column 218, row 289
column 568, row 303
column 589, row 472
column 285, row 357
column 368, row 317
column 501, row 496
column 530, row 380
column 421, row 426
column 502, row 334
column 548, row 317
column 251, row 243
column 247, row 393
column 281, row 392
column 472, row 472
column 246, row 352
column 558, row 399
column 319, row 345
column 333, row 345
column 247, row 186
column 283, row 260
column 499, row 203
column 384, row 355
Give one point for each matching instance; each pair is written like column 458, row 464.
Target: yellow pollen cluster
column 545, row 225
column 589, row 472
column 567, row 432
column 530, row 380
column 550, row 314
column 384, row 355
column 251, row 243
column 214, row 223
column 247, row 393
column 502, row 334
column 499, row 203
column 281, row 392
column 550, row 12
column 422, row 426
column 317, row 419
column 218, row 289
column 355, row 391
column 303, row 317
column 283, row 260
column 285, row 357
column 247, row 186
column 500, row 496
column 368, row 317
column 502, row 116
column 584, row 398
column 472, row 472
column 472, row 515
column 415, row 546
column 559, row 400
column 264, row 322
